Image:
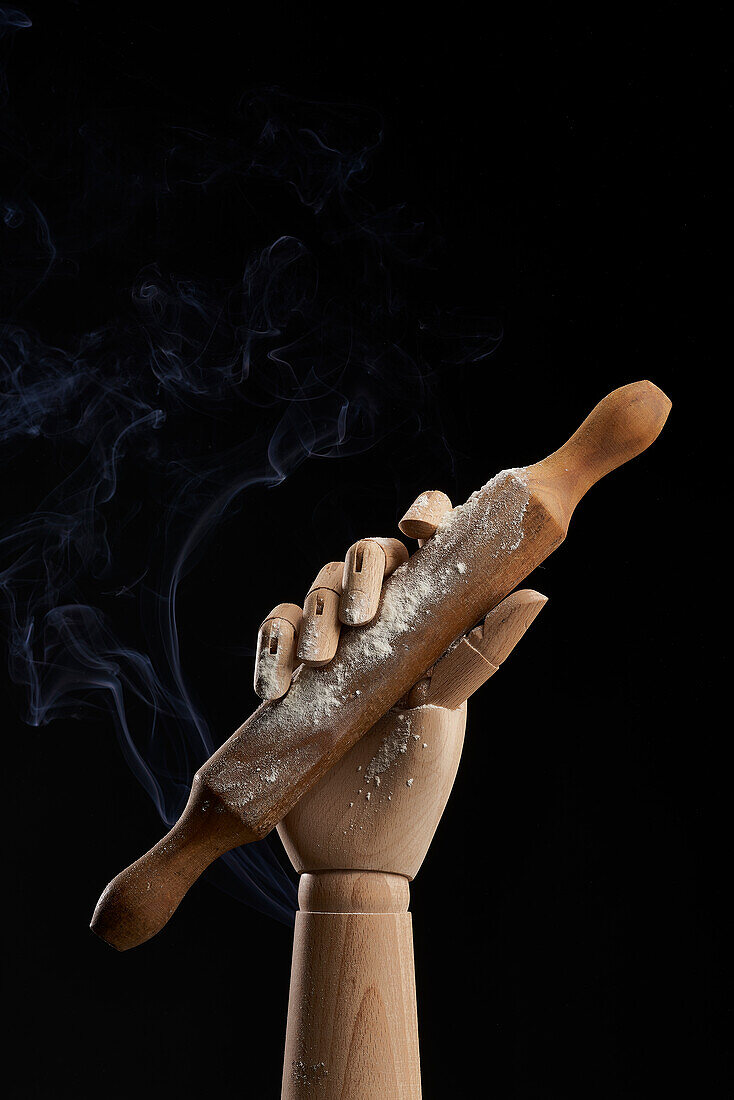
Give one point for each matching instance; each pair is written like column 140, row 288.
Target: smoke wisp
column 199, row 387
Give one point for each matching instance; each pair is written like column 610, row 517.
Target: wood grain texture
column 483, row 551
column 352, row 1029
column 379, row 806
column 357, row 838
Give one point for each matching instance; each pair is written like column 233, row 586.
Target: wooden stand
column 357, row 839
column 352, row 1021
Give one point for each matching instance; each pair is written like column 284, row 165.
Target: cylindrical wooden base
column 352, row 1023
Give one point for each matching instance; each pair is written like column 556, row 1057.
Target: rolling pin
column 480, row 552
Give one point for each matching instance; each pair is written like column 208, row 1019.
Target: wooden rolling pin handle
column 142, row 898
column 621, row 426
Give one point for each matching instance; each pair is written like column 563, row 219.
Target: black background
column 566, row 931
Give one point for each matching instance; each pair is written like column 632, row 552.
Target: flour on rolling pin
column 495, row 522
column 491, row 519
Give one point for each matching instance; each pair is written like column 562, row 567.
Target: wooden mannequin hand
column 359, row 835
column 380, row 804
column 378, row 807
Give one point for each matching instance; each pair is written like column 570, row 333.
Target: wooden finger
column 506, row 623
column 466, row 666
column 422, row 519
column 319, row 634
column 367, row 563
column 276, row 651
column 458, row 675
